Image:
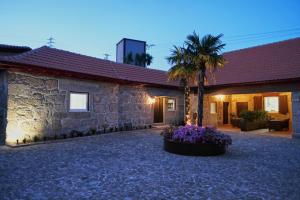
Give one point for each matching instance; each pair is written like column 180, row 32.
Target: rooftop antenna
column 106, row 55
column 50, row 42
column 149, row 46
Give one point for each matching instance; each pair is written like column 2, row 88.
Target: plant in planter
column 79, row 133
column 72, row 133
column 93, row 131
column 104, row 126
column 195, row 140
column 253, row 120
column 36, row 138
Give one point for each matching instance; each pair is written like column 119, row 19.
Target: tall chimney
column 129, row 51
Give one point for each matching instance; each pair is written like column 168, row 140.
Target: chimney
column 131, row 51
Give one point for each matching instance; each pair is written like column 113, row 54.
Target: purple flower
column 196, row 134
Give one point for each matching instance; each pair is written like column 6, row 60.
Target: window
column 213, row 107
column 171, row 104
column 271, row 104
column 79, row 101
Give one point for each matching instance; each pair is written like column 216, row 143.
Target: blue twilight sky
column 94, row 27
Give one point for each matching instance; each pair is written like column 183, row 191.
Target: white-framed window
column 271, row 104
column 171, row 103
column 79, row 101
column 213, row 107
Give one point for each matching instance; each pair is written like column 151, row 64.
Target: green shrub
column 36, row 138
column 251, row 116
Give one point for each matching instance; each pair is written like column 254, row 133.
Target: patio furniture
column 278, row 125
column 235, row 122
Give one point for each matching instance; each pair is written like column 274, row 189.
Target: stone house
column 265, row 77
column 48, row 92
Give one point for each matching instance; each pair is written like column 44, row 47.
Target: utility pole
column 106, row 55
column 50, row 42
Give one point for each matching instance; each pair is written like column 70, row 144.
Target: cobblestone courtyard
column 132, row 165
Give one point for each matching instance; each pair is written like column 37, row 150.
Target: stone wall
column 3, row 106
column 133, row 107
column 39, row 105
column 216, row 119
column 170, row 117
column 296, row 113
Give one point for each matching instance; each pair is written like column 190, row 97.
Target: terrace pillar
column 3, row 105
column 296, row 114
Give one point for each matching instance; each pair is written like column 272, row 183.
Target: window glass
column 171, row 104
column 271, row 104
column 78, row 101
column 213, row 107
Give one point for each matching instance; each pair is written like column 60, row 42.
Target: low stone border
column 50, row 141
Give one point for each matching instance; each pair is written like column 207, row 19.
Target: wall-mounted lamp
column 151, row 100
column 220, row 97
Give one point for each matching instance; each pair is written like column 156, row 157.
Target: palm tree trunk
column 200, row 96
column 186, row 103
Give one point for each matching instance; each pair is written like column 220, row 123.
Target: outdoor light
column 151, row 100
column 220, row 97
column 188, row 120
column 14, row 135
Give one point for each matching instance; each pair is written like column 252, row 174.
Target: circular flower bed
column 195, row 140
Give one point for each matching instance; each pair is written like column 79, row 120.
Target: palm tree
column 143, row 59
column 205, row 54
column 129, row 58
column 182, row 70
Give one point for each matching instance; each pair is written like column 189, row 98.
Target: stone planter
column 190, row 149
column 250, row 126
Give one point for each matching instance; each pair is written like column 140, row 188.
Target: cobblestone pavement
column 132, row 165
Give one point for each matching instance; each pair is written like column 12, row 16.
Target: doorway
column 159, row 110
column 225, row 112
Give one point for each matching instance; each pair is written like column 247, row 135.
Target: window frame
column 87, row 102
column 174, row 107
column 277, row 104
column 210, row 107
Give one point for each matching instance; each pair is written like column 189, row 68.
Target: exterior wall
column 216, row 119
column 3, row 106
column 39, row 105
column 120, row 52
column 296, row 114
column 169, row 116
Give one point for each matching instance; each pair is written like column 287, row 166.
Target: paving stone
column 133, row 165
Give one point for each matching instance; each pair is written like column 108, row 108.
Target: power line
column 265, row 37
column 262, row 33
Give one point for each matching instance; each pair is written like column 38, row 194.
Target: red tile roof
column 270, row 62
column 52, row 58
column 14, row 48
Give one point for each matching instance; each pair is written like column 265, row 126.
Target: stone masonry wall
column 39, row 105
column 216, row 119
column 3, row 106
column 296, row 113
column 170, row 117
